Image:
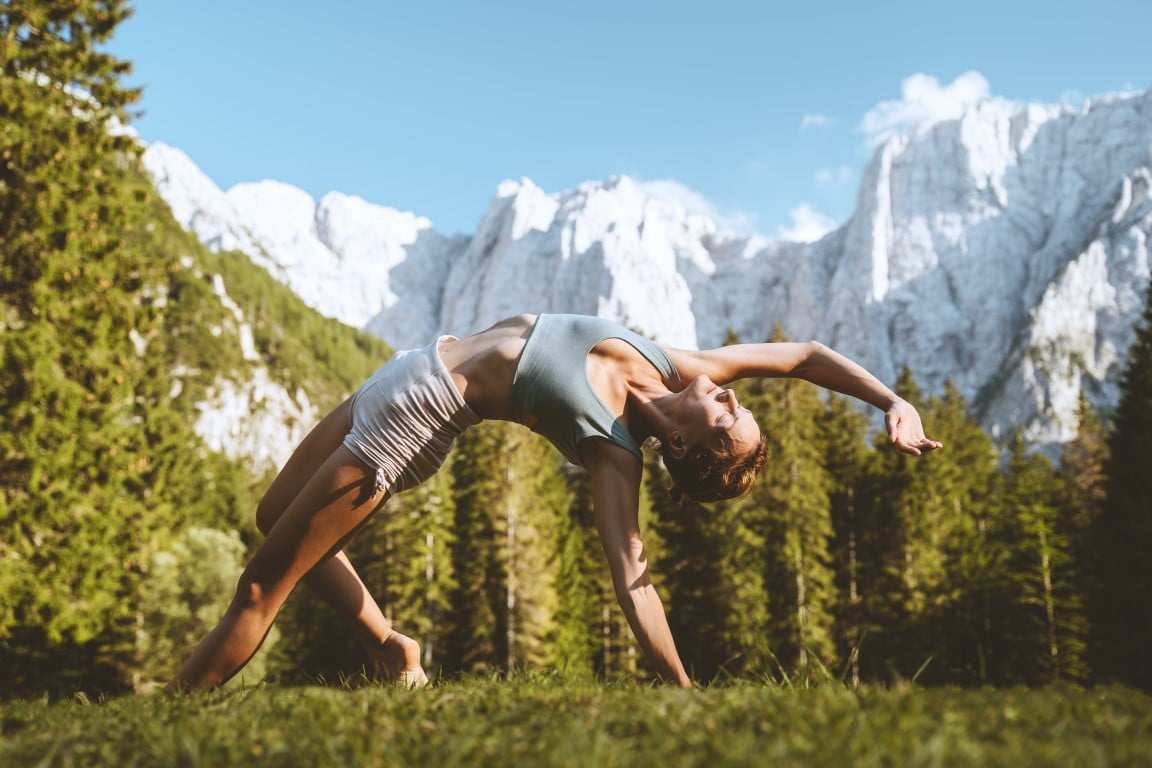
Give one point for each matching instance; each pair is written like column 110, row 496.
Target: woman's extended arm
column 814, row 362
column 615, row 499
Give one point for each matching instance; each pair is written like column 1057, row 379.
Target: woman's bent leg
column 391, row 653
column 334, row 503
column 335, row 580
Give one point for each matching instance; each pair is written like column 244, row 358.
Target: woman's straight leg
column 335, row 502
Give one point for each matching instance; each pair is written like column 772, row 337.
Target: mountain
column 1007, row 250
column 345, row 257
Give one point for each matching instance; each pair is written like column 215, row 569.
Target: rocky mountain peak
column 1006, row 250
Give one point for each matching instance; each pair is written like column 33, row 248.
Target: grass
column 534, row 721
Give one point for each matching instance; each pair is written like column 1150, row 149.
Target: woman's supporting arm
column 615, row 498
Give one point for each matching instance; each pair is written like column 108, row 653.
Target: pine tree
column 958, row 482
column 96, row 468
column 432, row 569
column 508, row 499
column 920, row 519
column 1082, row 487
column 1121, row 602
column 537, row 500
column 408, row 564
column 889, row 492
column 845, row 431
column 476, row 638
column 1083, row 461
column 582, row 595
column 793, row 496
column 1038, row 624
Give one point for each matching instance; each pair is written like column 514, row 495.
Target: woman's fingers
column 918, row 446
column 914, row 445
column 905, row 430
column 908, row 447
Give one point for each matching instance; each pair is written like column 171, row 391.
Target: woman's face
column 711, row 415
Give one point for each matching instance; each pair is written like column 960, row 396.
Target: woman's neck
column 652, row 407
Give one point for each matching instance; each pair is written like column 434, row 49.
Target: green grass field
column 542, row 722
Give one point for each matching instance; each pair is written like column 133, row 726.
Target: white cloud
column 809, row 121
column 834, row 176
column 923, row 102
column 671, row 191
column 808, row 225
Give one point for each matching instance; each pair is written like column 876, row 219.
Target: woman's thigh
column 325, row 513
column 304, row 462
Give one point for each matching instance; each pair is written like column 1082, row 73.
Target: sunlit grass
column 533, row 720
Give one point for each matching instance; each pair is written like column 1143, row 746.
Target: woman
column 593, row 388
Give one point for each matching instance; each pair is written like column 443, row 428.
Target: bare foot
column 397, row 660
column 412, row 678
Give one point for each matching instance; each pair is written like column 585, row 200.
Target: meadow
column 542, row 721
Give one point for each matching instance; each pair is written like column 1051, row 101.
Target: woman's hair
column 704, row 473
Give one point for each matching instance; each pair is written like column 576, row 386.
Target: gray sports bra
column 551, row 382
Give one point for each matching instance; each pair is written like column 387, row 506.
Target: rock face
column 345, row 257
column 1007, row 251
column 250, row 416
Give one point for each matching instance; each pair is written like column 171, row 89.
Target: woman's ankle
column 396, row 654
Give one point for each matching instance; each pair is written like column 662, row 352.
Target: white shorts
column 405, row 418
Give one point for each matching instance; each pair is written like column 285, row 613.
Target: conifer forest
column 122, row 533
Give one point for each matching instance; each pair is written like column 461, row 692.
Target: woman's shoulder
column 691, row 363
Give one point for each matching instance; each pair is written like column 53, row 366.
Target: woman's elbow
column 810, row 354
column 630, row 590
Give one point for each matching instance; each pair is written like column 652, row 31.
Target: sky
column 759, row 114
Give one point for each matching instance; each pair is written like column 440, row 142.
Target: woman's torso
column 483, row 367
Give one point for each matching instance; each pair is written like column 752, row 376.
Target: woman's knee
column 260, row 596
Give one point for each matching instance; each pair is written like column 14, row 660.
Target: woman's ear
column 676, row 445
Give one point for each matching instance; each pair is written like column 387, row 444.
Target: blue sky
column 752, row 109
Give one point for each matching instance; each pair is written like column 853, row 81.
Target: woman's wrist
column 884, row 401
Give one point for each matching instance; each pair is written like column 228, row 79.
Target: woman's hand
column 905, row 430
